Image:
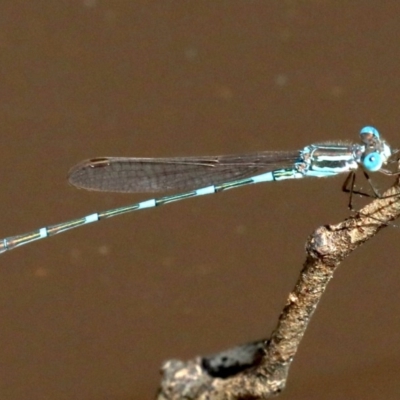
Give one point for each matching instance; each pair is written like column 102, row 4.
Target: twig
column 259, row 370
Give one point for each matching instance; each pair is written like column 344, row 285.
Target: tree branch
column 259, row 370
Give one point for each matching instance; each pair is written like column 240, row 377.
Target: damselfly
column 197, row 176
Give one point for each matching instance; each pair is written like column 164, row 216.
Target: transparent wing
column 118, row 174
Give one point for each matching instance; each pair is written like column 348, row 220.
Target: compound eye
column 372, row 162
column 369, row 133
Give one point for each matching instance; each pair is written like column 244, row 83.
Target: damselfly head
column 377, row 151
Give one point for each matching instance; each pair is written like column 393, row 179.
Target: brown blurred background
column 91, row 314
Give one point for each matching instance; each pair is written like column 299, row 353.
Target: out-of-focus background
column 91, row 314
